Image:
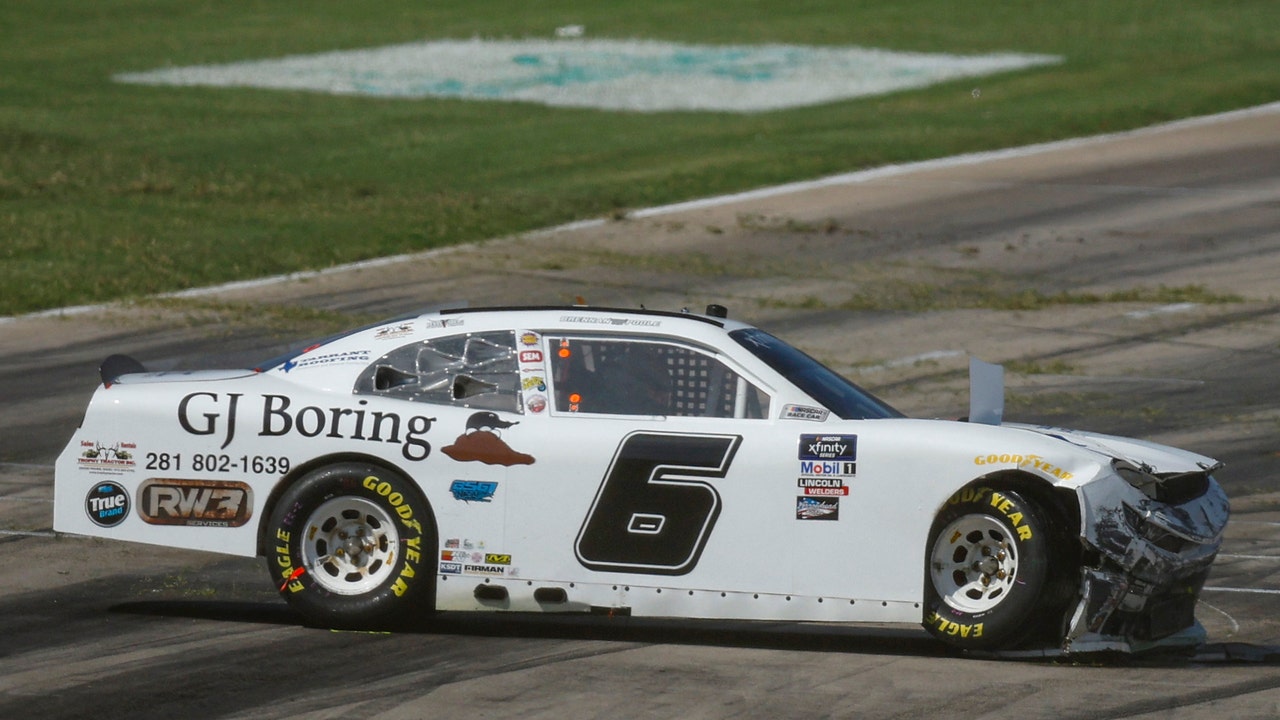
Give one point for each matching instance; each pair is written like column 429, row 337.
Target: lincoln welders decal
column 208, row 413
column 823, row 486
column 481, row 441
column 107, row 504
column 196, row 503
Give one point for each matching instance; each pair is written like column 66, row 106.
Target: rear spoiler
column 116, row 365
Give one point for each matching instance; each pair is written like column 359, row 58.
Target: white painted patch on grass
column 1162, row 310
column 631, row 75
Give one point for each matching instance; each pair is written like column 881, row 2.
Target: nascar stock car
column 676, row 464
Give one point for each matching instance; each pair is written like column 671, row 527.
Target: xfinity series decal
column 195, row 503
column 209, row 413
column 829, row 447
column 107, row 504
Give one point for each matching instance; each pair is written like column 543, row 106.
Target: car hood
column 1154, row 456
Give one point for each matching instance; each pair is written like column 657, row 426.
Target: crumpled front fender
column 1151, row 557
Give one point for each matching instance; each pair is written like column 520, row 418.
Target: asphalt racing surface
column 112, row 630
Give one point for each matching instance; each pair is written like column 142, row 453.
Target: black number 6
column 652, row 514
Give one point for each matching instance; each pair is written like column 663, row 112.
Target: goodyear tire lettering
column 1006, row 507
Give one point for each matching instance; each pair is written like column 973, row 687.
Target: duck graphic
column 488, row 421
column 481, row 441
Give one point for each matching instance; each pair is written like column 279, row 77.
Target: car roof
column 562, row 318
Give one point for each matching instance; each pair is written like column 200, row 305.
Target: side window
column 473, row 370
column 646, row 377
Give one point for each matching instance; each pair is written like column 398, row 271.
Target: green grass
column 110, row 191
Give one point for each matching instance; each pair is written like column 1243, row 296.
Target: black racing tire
column 988, row 570
column 352, row 546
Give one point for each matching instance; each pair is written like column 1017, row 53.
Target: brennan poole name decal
column 207, row 413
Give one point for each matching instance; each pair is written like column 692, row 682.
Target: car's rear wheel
column 352, row 545
column 988, row 570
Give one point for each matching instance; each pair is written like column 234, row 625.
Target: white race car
column 579, row 459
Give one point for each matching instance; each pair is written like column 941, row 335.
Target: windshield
column 833, row 391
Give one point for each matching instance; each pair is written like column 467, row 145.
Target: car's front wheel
column 352, row 545
column 988, row 570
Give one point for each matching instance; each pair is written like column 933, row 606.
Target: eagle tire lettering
column 654, row 510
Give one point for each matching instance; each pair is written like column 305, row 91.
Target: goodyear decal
column 1035, row 462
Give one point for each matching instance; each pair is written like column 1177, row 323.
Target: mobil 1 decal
column 655, row 510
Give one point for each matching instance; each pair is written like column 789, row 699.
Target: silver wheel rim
column 974, row 563
column 350, row 545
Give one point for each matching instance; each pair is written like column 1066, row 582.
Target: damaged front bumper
column 1149, row 542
